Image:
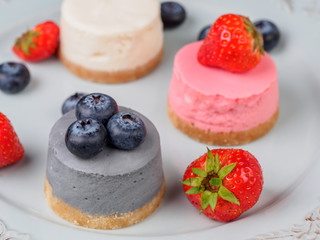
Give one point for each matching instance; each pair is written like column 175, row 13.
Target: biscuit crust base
column 222, row 138
column 114, row 221
column 112, row 77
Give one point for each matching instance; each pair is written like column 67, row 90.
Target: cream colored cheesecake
column 111, row 41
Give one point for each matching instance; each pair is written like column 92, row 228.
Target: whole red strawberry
column 38, row 43
column 223, row 183
column 11, row 150
column 233, row 43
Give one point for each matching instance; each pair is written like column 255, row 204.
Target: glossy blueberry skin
column 270, row 34
column 71, row 102
column 86, row 138
column 97, row 106
column 126, row 131
column 204, row 32
column 172, row 14
column 14, row 77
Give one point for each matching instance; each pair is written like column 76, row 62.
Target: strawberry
column 233, row 43
column 38, row 43
column 11, row 150
column 223, row 183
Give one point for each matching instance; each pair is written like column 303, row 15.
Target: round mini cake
column 114, row 189
column 220, row 107
column 111, row 41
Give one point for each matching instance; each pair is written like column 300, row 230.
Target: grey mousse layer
column 114, row 181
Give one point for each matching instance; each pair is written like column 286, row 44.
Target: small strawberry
column 38, row 43
column 223, row 183
column 11, row 150
column 233, row 43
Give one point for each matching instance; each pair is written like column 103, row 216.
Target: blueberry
column 97, row 106
column 204, row 32
column 14, row 77
column 172, row 14
column 126, row 130
column 86, row 138
column 269, row 32
column 71, row 102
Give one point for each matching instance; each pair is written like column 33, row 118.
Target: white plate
column 288, row 154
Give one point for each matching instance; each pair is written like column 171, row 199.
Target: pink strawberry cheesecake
column 221, row 107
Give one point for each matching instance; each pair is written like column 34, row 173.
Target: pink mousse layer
column 221, row 101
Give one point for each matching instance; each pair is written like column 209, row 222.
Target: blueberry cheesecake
column 104, row 165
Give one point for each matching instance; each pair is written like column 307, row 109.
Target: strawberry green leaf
column 260, row 43
column 226, row 170
column 216, row 163
column 199, row 172
column 246, row 21
column 215, row 181
column 227, row 195
column 25, row 47
column 193, row 181
column 210, row 161
column 195, row 190
column 205, row 199
column 213, row 201
column 251, row 28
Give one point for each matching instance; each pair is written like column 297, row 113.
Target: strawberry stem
column 215, row 182
column 206, row 182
